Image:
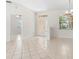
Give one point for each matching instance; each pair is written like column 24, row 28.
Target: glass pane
column 66, row 22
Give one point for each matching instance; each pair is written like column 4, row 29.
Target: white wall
column 28, row 18
column 7, row 23
column 53, row 16
column 10, row 10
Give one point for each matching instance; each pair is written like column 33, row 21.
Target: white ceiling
column 40, row 5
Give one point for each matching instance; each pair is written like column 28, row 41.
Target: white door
column 42, row 26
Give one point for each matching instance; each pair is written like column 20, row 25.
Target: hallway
column 40, row 48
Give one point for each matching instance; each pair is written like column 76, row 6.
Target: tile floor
column 40, row 48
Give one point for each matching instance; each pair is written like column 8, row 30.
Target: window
column 66, row 22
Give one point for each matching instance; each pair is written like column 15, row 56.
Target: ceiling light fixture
column 9, row 1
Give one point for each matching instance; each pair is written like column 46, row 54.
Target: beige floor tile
column 40, row 48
